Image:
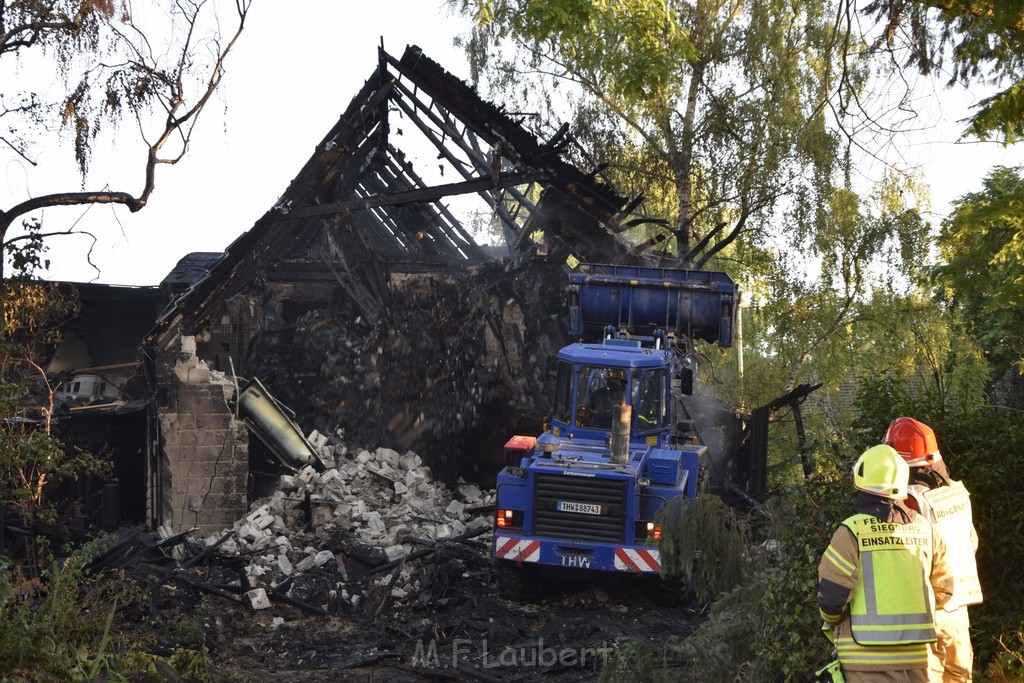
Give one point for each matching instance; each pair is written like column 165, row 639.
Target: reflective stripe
column 949, row 509
column 893, row 557
column 886, row 655
column 840, row 562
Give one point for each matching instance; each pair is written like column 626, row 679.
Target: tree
column 982, row 277
column 984, row 40
column 112, row 69
column 31, row 457
column 727, row 103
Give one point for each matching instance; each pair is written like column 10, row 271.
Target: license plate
column 585, row 508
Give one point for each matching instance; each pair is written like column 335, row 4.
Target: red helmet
column 913, row 440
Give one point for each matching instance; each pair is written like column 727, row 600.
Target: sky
column 296, row 68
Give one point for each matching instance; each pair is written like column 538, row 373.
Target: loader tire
column 703, row 480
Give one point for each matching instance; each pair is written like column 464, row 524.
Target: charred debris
column 361, row 307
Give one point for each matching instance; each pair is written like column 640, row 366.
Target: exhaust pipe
column 622, row 415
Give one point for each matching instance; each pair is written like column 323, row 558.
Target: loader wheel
column 672, row 590
column 703, row 480
column 516, row 583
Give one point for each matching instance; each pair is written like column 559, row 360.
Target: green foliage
column 982, row 277
column 705, row 544
column 62, row 623
column 713, row 109
column 721, row 649
column 31, row 458
column 984, row 40
column 980, row 445
column 788, row 641
column 1008, row 664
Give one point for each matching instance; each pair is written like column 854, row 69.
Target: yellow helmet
column 880, row 470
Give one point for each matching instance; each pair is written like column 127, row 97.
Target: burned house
column 364, row 304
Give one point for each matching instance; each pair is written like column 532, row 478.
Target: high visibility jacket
column 948, row 508
column 892, row 603
column 876, row 590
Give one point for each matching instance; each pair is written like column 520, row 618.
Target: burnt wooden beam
column 472, row 150
column 492, row 125
column 441, row 209
column 412, row 225
column 427, row 194
column 443, row 149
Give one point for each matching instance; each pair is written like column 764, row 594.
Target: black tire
column 515, row 583
column 672, row 590
column 703, row 480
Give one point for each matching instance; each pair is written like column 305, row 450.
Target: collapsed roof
column 360, row 204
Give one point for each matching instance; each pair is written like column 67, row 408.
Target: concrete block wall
column 204, row 459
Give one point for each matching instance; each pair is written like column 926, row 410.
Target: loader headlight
column 517, row 472
column 643, row 481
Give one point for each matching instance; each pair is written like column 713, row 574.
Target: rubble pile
column 375, row 506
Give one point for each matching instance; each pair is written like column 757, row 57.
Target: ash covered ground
column 372, row 570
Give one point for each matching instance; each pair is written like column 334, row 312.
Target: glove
column 830, row 673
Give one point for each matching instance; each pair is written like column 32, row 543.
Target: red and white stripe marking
column 515, row 549
column 637, row 560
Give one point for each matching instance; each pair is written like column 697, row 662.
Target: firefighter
column 947, row 505
column 881, row 577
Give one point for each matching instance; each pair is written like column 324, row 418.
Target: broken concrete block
column 305, row 564
column 249, row 533
column 305, row 475
column 316, row 439
column 262, row 521
column 258, row 511
column 395, row 552
column 287, row 482
column 455, row 508
column 258, row 598
column 284, row 565
column 409, row 461
column 334, row 491
column 470, row 493
column 322, row 516
column 364, row 457
column 386, row 455
column 322, row 558
column 400, row 488
column 188, row 345
column 264, row 541
column 330, row 475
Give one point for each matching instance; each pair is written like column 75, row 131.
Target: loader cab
column 591, row 378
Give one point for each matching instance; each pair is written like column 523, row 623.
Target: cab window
column 650, row 406
column 597, row 390
column 563, row 393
